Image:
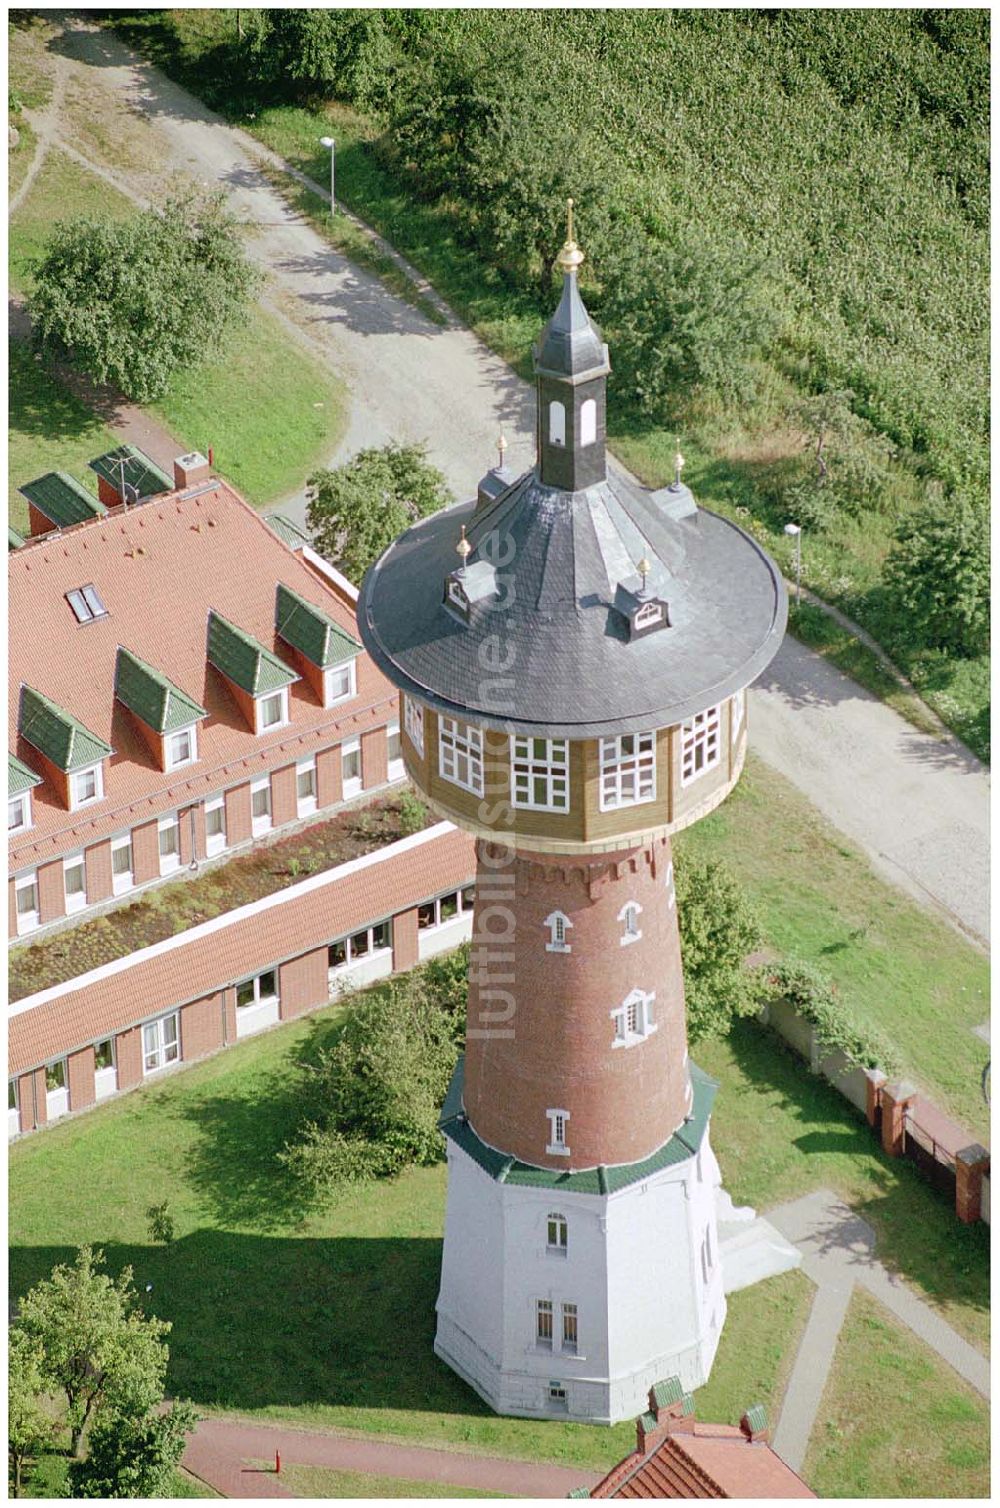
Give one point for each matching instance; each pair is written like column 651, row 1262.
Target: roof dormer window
column 181, row 748
column 86, row 786
column 272, row 711
column 649, row 613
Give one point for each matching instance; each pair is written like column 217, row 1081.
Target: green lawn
column 323, row 1313
column 895, row 1420
column 893, row 961
column 47, row 1479
column 322, row 1482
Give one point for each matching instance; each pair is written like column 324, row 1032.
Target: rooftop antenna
column 127, row 491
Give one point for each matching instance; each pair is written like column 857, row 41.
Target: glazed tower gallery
column 572, row 654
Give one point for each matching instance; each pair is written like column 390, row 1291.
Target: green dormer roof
column 667, row 1392
column 140, row 472
column 311, row 632
column 14, row 540
column 290, row 533
column 19, row 777
column 62, row 499
column 57, row 734
column 244, row 660
column 160, row 704
column 756, row 1417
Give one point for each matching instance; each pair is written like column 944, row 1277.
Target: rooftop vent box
column 190, row 469
column 468, row 585
column 493, row 485
column 644, row 612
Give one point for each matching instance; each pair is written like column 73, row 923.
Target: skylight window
column 86, row 604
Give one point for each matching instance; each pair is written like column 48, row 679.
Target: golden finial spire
column 679, row 464
column 463, row 547
column 570, row 256
column 501, row 449
column 644, row 567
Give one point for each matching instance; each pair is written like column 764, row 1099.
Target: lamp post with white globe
column 331, row 145
column 795, row 532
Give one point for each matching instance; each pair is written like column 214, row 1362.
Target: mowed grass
column 893, row 962
column 322, row 1313
column 895, row 1420
column 266, row 407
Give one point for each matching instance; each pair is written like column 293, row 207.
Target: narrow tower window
column 629, row 918
column 413, row 716
column 543, row 1323
column 699, row 744
column 569, row 1335
column 558, row 924
column 558, row 1234
column 557, row 424
column 737, row 712
column 460, row 752
column 588, row 421
column 540, row 774
column 633, row 1019
column 557, row 1133
column 628, row 770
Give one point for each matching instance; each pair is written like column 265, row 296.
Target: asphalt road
column 918, row 806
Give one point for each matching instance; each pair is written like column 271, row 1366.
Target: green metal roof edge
column 176, row 710
column 82, row 748
column 20, row 777
column 289, row 620
column 287, row 531
column 254, row 684
column 132, row 453
column 684, row 1143
column 667, row 1391
column 80, row 504
column 14, row 540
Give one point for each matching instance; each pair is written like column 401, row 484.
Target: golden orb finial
column 463, row 547
column 570, row 256
column 644, row 567
column 501, row 449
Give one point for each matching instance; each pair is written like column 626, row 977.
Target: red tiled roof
column 707, row 1461
column 159, row 568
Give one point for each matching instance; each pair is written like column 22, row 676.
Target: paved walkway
column 221, row 1451
column 917, row 805
column 838, row 1251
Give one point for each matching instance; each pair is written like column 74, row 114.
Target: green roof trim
column 756, row 1417
column 140, row 472
column 57, row 734
column 63, row 500
column 648, row 1422
column 20, row 777
column 288, row 532
column 14, row 540
column 309, row 630
column 579, row 1492
column 148, row 693
column 244, row 660
column 684, row 1143
column 667, row 1392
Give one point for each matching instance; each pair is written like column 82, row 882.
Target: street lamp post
column 331, row 145
column 795, row 531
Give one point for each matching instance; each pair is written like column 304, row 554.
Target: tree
column 95, row 1343
column 718, row 929
column 133, row 1458
column 131, row 303
column 357, row 510
column 28, row 1427
column 939, row 571
column 850, row 460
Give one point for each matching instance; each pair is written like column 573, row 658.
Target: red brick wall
column 187, row 852
column 99, row 879
column 199, row 827
column 80, row 1066
column 34, row 1085
column 303, row 983
column 374, row 758
column 405, row 943
column 145, row 852
column 238, row 821
column 245, row 702
column 128, row 1056
column 284, row 803
column 201, row 1027
column 329, row 777
column 51, row 892
column 229, row 997
column 25, row 1101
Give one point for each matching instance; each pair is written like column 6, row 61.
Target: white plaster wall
column 355, row 976
column 442, row 939
column 470, row 1301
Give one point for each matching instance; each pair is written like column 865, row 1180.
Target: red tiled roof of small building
column 676, row 1457
column 159, row 569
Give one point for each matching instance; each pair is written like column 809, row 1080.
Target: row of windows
column 540, row 766
column 588, row 422
column 169, row 832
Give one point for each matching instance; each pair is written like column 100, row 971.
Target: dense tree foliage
column 718, row 930
column 940, row 569
column 358, row 509
column 29, row 1428
column 130, row 303
column 133, row 1457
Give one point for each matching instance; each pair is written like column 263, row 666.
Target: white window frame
column 259, row 704
column 671, row 888
column 120, row 883
column 545, row 1311
column 215, row 842
column 166, row 1053
column 13, row 1111
column 169, row 862
column 629, row 917
column 79, row 901
column 353, row 785
column 464, row 901
column 570, row 1321
column 413, row 720
column 170, row 760
column 264, row 822
column 460, row 754
column 306, row 805
column 349, row 942
column 557, row 1146
column 27, row 921
column 588, row 422
column 558, row 1225
column 259, row 997
column 23, row 805
column 57, row 1099
column 85, row 603
column 650, row 612
column 557, row 422
column 558, row 924
column 737, row 714
column 75, row 800
column 628, row 770
column 701, row 738
column 528, row 768
column 106, row 1079
column 633, row 1020
column 331, row 696
column 396, row 768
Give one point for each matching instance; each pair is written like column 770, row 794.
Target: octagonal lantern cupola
column 571, row 371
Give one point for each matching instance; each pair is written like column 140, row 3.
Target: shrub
column 718, row 929
column 939, row 572
column 133, row 1458
column 161, row 1223
column 814, row 998
column 412, row 814
column 358, row 509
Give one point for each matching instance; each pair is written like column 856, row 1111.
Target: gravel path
column 917, row 805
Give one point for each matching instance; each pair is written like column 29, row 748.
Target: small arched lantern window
column 557, row 423
column 588, row 421
column 650, row 612
column 557, row 1234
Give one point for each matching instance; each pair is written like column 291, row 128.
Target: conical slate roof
column 571, row 344
column 549, row 653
